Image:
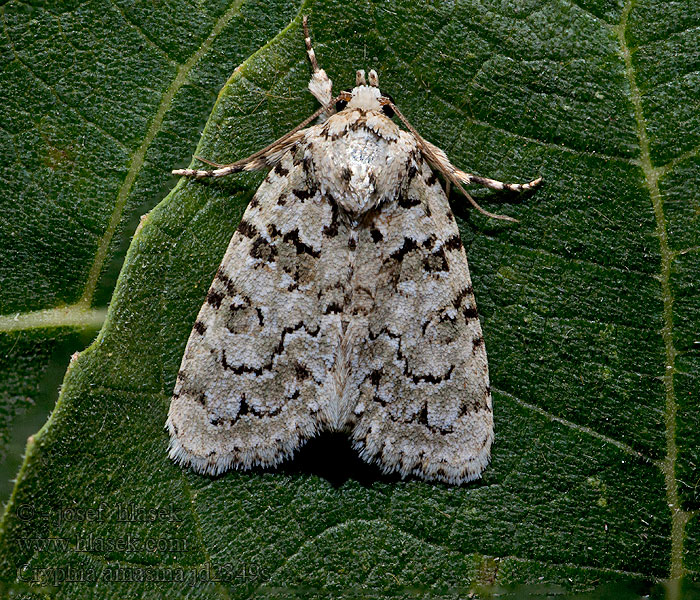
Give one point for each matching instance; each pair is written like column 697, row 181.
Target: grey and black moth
column 343, row 303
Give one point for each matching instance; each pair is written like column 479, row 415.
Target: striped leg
column 262, row 159
column 439, row 160
column 320, row 85
column 495, row 185
column 444, row 164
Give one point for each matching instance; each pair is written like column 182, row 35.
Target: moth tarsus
column 343, row 303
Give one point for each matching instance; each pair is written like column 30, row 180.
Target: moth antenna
column 437, row 163
column 209, row 162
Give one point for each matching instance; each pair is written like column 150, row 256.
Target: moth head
column 365, row 97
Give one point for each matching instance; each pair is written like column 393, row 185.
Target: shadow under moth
column 343, row 303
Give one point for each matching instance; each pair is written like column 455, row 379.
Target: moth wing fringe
column 433, row 471
column 243, row 461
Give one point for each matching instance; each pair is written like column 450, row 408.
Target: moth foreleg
column 320, row 84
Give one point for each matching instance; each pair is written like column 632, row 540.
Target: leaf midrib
column 679, row 517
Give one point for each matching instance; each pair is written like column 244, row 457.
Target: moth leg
column 438, row 159
column 496, row 185
column 262, row 159
column 446, row 165
column 320, row 84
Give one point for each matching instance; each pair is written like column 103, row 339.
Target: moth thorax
column 359, row 170
column 365, row 97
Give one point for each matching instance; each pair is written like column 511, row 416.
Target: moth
column 343, row 303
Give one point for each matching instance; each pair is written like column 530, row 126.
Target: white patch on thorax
column 365, row 97
column 360, row 159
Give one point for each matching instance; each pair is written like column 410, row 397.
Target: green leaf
column 99, row 101
column 590, row 314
